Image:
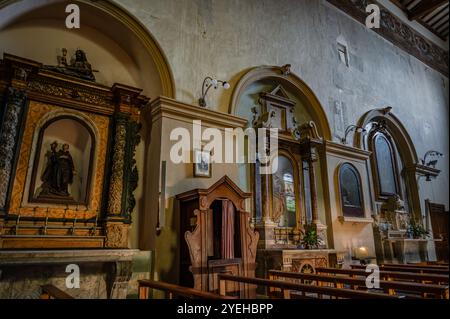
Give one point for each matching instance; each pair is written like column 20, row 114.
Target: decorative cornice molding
column 63, row 90
column 346, row 151
column 423, row 170
column 170, row 108
column 399, row 33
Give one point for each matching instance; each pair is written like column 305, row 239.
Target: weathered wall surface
column 225, row 38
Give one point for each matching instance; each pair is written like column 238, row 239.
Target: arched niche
column 287, row 196
column 350, row 191
column 395, row 128
column 266, row 78
column 116, row 43
column 401, row 144
column 65, row 151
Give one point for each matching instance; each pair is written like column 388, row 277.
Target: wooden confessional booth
column 216, row 237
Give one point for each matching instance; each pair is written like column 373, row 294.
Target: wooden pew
column 52, row 292
column 175, row 290
column 389, row 275
column 407, row 266
column 287, row 287
column 419, row 270
column 430, row 263
column 390, row 287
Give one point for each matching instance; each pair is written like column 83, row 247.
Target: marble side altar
column 296, row 260
column 104, row 273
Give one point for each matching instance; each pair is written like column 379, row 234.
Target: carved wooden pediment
column 223, row 188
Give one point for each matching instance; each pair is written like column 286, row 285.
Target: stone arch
column 110, row 19
column 405, row 148
column 401, row 137
column 283, row 76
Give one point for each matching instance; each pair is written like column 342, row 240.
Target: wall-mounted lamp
column 209, row 82
column 432, row 162
column 350, row 128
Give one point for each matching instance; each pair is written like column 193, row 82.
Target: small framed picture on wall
column 202, row 164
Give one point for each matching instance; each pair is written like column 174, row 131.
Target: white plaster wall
column 225, row 38
column 179, row 179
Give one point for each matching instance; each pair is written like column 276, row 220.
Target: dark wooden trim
column 424, row 7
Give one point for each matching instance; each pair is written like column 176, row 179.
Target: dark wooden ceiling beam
column 424, row 7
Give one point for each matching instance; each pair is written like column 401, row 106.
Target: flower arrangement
column 416, row 230
column 310, row 239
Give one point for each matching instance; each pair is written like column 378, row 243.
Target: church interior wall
column 224, row 39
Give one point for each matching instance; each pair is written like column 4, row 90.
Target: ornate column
column 309, row 142
column 117, row 167
column 123, row 171
column 265, row 224
column 10, row 131
column 310, row 157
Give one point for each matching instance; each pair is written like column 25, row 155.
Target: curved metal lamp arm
column 202, row 101
column 349, row 129
column 205, row 84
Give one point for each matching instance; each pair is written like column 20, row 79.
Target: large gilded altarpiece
column 67, row 175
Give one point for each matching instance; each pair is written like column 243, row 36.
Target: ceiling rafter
column 425, row 7
column 432, row 14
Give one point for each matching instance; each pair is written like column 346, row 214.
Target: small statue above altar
column 79, row 66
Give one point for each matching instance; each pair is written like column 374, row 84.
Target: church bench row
column 389, row 275
column 419, row 265
column 420, row 270
column 53, row 292
column 288, row 287
column 390, row 287
column 428, row 264
column 175, row 290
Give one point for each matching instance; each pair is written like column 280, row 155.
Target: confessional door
column 223, row 244
column 216, row 237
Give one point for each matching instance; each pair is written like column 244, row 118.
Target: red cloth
column 227, row 245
